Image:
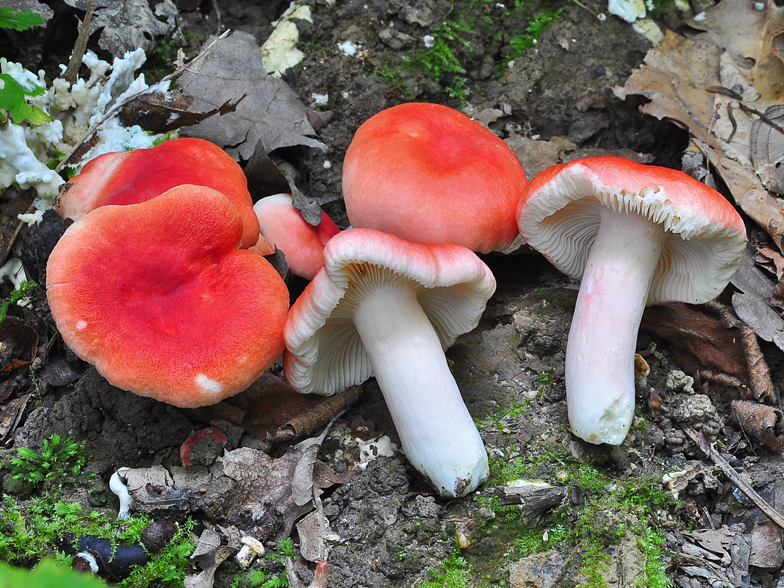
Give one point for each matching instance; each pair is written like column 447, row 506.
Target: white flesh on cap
column 420, row 391
column 603, row 335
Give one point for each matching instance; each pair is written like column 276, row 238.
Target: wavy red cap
column 131, row 177
column 160, row 299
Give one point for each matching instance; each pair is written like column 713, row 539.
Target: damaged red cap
column 160, row 299
column 283, row 227
column 130, row 177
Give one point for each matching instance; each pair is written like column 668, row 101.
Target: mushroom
column 131, row 177
column 384, row 306
column 251, row 547
column 160, row 299
column 637, row 235
column 283, row 227
column 430, row 174
column 118, row 487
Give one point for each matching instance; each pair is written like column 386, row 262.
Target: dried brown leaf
column 11, row 413
column 18, row 344
column 716, row 543
column 536, row 156
column 760, row 381
column 302, row 479
column 283, row 489
column 209, row 554
column 271, row 111
column 766, row 323
column 777, row 45
column 735, row 25
column 159, row 112
column 310, row 531
column 768, row 257
column 777, row 297
column 680, row 77
column 766, row 546
column 751, row 196
column 699, row 339
column 761, row 421
column 675, row 77
column 767, row 147
column 749, row 278
column 768, row 71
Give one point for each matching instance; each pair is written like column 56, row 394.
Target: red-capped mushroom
column 430, row 174
column 131, row 177
column 160, row 299
column 283, row 227
column 637, row 235
column 383, row 306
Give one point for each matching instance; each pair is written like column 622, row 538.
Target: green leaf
column 12, row 99
column 21, row 20
column 27, row 453
column 46, row 575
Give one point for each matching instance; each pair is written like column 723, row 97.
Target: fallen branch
column 702, row 441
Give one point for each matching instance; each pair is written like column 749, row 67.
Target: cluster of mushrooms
column 161, row 281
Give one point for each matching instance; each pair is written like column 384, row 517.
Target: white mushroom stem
column 118, row 487
column 603, row 336
column 86, row 559
column 438, row 435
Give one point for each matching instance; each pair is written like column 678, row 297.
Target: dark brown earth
column 388, row 528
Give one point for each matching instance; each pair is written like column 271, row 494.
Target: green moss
column 34, row 530
column 259, row 579
column 452, row 573
column 655, row 574
column 169, row 565
column 612, row 511
column 519, row 44
column 56, row 461
column 558, row 300
column 440, row 61
column 18, row 294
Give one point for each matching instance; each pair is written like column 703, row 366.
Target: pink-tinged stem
column 603, row 335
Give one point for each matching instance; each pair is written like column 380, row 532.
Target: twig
column 702, row 441
column 72, row 72
column 721, row 379
column 217, row 15
column 739, row 99
column 581, row 5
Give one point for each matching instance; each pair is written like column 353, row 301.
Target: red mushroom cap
column 283, row 226
column 160, row 299
column 430, row 174
column 130, row 177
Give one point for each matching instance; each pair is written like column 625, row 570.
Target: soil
column 388, row 529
